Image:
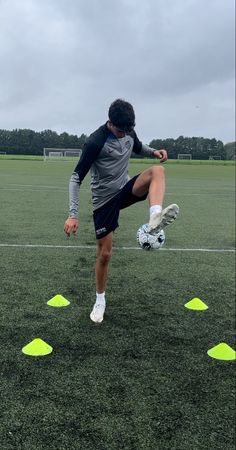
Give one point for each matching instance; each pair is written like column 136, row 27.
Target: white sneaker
column 98, row 312
column 160, row 220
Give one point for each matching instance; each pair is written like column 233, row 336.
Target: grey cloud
column 64, row 61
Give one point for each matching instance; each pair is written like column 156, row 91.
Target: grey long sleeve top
column 107, row 157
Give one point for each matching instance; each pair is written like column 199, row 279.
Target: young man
column 106, row 153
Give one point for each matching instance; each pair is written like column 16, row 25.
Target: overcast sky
column 62, row 62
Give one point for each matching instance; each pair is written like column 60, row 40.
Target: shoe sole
column 168, row 217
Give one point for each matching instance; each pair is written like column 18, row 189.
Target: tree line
column 197, row 147
column 29, row 142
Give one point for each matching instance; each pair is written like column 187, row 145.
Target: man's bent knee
column 157, row 171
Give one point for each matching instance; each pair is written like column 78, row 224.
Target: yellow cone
column 37, row 348
column 196, row 304
column 222, row 351
column 58, row 301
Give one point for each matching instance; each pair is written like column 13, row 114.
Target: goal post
column 213, row 158
column 72, row 153
column 61, row 154
column 184, row 156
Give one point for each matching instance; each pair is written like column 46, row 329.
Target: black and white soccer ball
column 149, row 241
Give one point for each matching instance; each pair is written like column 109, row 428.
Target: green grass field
column 143, row 379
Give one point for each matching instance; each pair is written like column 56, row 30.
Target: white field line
column 37, row 188
column 33, row 185
column 31, row 190
column 93, row 247
column 61, row 189
column 67, row 183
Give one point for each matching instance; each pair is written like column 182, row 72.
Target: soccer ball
column 149, row 241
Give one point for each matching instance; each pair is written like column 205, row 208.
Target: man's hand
column 161, row 154
column 71, row 226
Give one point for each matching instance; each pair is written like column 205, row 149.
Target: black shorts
column 106, row 217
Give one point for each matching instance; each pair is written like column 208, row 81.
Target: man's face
column 116, row 131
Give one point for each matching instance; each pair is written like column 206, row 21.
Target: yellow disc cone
column 58, row 301
column 37, row 348
column 222, row 351
column 196, row 304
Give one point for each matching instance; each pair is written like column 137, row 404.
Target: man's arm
column 74, row 185
column 145, row 150
column 89, row 154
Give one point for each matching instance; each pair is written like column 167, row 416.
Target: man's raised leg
column 152, row 181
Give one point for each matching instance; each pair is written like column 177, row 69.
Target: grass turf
column 142, row 380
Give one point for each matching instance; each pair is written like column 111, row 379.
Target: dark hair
column 121, row 114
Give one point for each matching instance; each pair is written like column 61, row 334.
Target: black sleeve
column 137, row 144
column 91, row 150
column 89, row 154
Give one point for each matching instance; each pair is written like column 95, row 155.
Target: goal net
column 61, row 154
column 184, row 156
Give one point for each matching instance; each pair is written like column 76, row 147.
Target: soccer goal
column 61, row 154
column 184, row 156
column 3, row 153
column 214, row 157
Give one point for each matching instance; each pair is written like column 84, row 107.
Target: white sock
column 155, row 209
column 100, row 298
